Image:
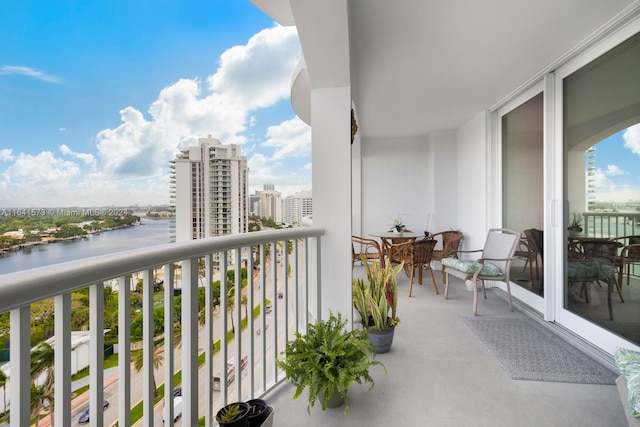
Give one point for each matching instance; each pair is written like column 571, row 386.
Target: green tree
column 3, row 385
column 37, row 402
column 137, row 358
column 42, row 363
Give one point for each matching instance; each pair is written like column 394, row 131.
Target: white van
column 177, row 408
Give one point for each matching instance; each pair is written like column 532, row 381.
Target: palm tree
column 137, row 358
column 230, row 305
column 245, row 302
column 37, row 402
column 42, row 362
column 3, row 384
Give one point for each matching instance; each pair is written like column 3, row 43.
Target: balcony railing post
column 263, row 302
column 208, row 345
column 169, row 343
column 190, row 340
column 62, row 371
column 148, row 346
column 224, row 327
column 237, row 312
column 20, row 380
column 96, row 352
column 124, row 349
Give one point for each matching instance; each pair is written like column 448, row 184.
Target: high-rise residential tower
column 296, row 207
column 209, row 190
column 271, row 203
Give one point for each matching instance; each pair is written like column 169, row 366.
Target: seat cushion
column 628, row 361
column 582, row 270
column 469, row 266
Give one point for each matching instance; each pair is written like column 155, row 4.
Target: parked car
column 84, row 418
column 268, row 308
column 177, row 391
column 177, row 407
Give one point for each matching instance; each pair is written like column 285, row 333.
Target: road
column 111, row 389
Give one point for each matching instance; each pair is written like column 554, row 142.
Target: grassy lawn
column 136, row 411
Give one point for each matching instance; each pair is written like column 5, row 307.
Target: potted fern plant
column 326, row 361
column 376, row 301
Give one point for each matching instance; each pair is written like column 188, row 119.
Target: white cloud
column 29, row 72
column 5, row 155
column 258, row 74
column 632, row 139
column 291, row 139
column 614, row 170
column 601, row 183
column 43, row 171
column 132, row 159
column 248, row 78
column 88, row 159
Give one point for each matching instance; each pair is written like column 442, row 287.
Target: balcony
column 438, row 373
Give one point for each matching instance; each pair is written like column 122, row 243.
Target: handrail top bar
column 25, row 287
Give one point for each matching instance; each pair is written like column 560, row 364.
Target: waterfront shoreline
column 16, row 248
column 152, row 233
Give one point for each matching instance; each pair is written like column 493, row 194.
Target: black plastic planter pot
column 257, row 412
column 241, row 421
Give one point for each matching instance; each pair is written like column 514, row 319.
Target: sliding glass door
column 601, row 144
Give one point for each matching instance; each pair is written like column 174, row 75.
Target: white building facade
column 209, row 186
column 271, row 203
column 295, row 207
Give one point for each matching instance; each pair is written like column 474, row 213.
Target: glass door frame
column 531, row 299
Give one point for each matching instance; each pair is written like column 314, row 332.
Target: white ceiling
column 421, row 66
column 418, row 66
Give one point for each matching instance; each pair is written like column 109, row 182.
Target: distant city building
column 209, row 191
column 295, row 207
column 271, row 203
column 254, row 203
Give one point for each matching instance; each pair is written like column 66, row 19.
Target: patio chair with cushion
column 450, row 242
column 494, row 264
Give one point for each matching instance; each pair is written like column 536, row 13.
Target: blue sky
column 617, row 166
column 97, row 97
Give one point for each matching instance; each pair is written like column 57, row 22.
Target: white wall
column 396, row 181
column 444, row 175
column 472, row 189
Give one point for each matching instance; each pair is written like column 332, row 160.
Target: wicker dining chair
column 450, row 241
column 629, row 254
column 415, row 254
column 528, row 250
column 368, row 248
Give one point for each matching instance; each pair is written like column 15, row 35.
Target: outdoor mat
column 528, row 351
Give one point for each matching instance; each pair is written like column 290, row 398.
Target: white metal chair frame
column 499, row 249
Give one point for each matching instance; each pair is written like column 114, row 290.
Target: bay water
column 153, row 232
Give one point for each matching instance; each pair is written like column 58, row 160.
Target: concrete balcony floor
column 440, row 375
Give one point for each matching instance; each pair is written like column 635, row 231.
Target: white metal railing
column 611, row 224
column 290, row 281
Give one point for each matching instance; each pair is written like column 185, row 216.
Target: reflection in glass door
column 601, row 138
column 522, row 189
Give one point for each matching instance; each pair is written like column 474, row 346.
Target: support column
column 331, row 178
